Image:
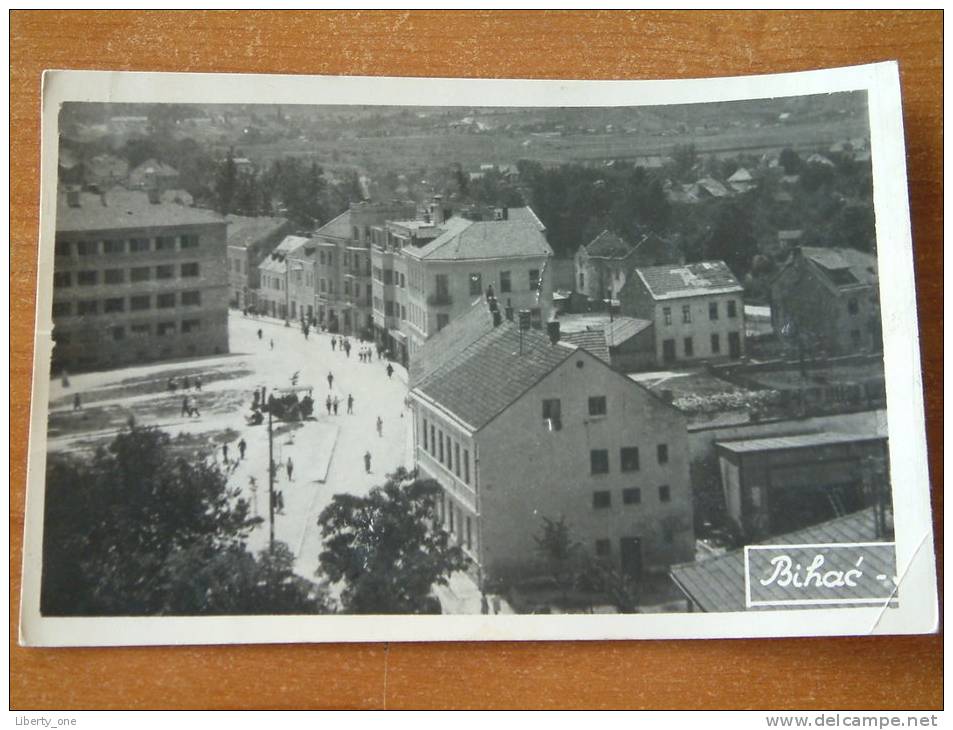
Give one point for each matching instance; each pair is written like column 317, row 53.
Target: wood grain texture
column 855, row 673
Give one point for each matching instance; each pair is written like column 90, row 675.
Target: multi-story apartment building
column 343, row 300
column 828, row 299
column 136, row 279
column 249, row 241
column 697, row 310
column 433, row 273
column 515, row 427
column 301, row 277
column 273, row 297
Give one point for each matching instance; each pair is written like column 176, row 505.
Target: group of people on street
column 189, row 407
column 187, row 383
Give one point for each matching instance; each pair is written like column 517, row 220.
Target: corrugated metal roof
column 803, row 441
column 718, row 584
column 688, row 280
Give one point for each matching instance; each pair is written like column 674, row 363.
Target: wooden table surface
column 852, row 673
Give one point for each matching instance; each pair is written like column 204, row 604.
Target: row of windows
column 628, row 458
column 122, row 245
column 552, row 410
column 447, row 451
column 731, row 311
column 457, row 523
column 160, row 329
column 137, row 303
column 688, row 345
column 631, row 495
column 442, row 283
column 92, row 277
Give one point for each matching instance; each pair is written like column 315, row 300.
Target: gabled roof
column 843, row 268
column 621, row 329
column 608, row 245
column 718, row 584
column 448, row 342
column 119, row 209
column 339, row 227
column 482, row 379
column 245, row 231
column 276, row 261
column 154, row 167
column 463, row 239
column 713, row 187
column 688, row 280
column 592, row 341
column 741, row 175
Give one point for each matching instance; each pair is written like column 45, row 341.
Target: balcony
column 440, row 299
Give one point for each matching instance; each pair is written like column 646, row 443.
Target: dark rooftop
column 125, row 209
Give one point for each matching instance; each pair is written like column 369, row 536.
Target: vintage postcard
column 366, row 359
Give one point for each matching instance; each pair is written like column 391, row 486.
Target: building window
column 165, row 243
column 347, row 287
column 166, row 271
column 632, row 495
column 852, row 306
column 603, row 548
column 61, row 309
column 536, row 318
column 662, row 453
column 689, row 347
column 533, row 279
column 322, row 285
column 715, row 344
column 62, row 279
column 433, row 441
column 451, row 509
column 582, row 281
column 440, row 446
column 476, row 284
column 119, row 333
column 87, row 248
column 114, row 276
column 466, row 465
column 191, row 325
column 732, row 309
column 388, row 277
column 630, row 458
column 687, row 314
column 88, row 307
column 140, row 329
column 599, row 461
column 114, row 247
column 140, row 273
column 597, row 405
column 403, row 312
column 602, row 500
column 469, row 535
column 191, row 298
column 425, row 435
column 403, row 281
column 117, row 304
column 190, row 269
column 188, row 241
column 456, row 457
column 165, row 301
column 552, row 414
column 506, row 285
column 664, row 494
column 712, row 310
column 139, row 303
column 442, row 284
column 86, row 278
column 442, row 321
column 667, row 314
column 164, row 329
column 138, row 245
column 64, row 248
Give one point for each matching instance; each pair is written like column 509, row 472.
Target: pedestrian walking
column 259, row 333
column 380, row 426
column 64, row 378
column 367, row 462
column 350, row 404
column 290, row 467
column 390, row 370
column 334, row 344
column 347, row 348
column 484, row 604
column 193, row 409
column 77, row 402
column 225, row 453
column 241, row 449
column 328, row 404
column 198, row 383
column 271, row 344
column 256, row 399
column 336, row 402
column 186, row 383
column 330, row 380
column 186, row 411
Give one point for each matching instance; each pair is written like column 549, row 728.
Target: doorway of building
column 630, row 548
column 734, row 345
column 668, row 351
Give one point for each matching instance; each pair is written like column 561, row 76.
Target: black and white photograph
column 616, row 362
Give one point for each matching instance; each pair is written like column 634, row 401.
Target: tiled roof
column 244, row 231
column 482, row 379
column 339, row 227
column 718, row 584
column 624, row 328
column 464, row 239
column 609, row 246
column 844, row 267
column 688, row 280
column 443, row 346
column 592, row 341
column 125, row 209
column 802, row 441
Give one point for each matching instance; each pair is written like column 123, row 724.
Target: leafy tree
column 227, row 183
column 790, row 161
column 559, row 550
column 685, row 157
column 386, row 548
column 140, row 530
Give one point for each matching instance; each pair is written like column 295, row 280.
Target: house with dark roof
column 136, row 279
column 250, row 239
column 697, row 310
column 517, row 425
column 827, row 300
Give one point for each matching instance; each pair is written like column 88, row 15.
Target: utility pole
column 271, row 477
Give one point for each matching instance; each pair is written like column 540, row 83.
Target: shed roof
column 802, row 441
column 688, row 280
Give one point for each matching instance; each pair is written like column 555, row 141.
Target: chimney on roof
column 154, row 196
column 436, row 210
column 552, row 329
column 72, row 198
